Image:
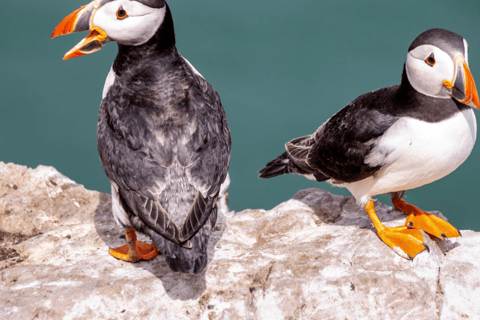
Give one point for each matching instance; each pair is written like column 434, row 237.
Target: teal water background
column 281, row 67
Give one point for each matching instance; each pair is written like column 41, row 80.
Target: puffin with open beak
column 397, row 138
column 163, row 137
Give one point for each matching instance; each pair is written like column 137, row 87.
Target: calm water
column 281, row 67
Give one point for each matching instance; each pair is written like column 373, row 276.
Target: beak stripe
column 463, row 87
column 471, row 87
column 471, row 94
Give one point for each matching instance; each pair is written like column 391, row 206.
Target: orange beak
column 82, row 20
column 463, row 86
column 92, row 43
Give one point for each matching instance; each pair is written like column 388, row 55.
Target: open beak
column 463, row 86
column 82, row 20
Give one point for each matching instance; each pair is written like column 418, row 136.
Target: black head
column 447, row 41
column 153, row 3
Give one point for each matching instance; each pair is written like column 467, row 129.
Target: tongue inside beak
column 92, row 43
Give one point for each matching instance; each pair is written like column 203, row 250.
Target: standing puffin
column 397, row 138
column 163, row 137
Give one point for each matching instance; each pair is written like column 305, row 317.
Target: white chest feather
column 108, row 83
column 414, row 153
column 192, row 67
column 121, row 217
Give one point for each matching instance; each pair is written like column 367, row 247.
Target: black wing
column 347, row 138
column 338, row 149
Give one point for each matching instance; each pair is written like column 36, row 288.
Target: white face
column 427, row 78
column 135, row 29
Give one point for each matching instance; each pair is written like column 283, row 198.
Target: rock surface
column 315, row 256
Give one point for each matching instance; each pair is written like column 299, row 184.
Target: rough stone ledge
column 315, row 256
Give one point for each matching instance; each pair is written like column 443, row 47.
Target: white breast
column 193, row 68
column 108, row 83
column 121, row 217
column 415, row 153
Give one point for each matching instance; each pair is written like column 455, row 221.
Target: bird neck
column 414, row 104
column 160, row 47
column 406, row 91
column 411, row 98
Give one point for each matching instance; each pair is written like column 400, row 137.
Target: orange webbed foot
column 427, row 222
column 432, row 225
column 134, row 250
column 404, row 241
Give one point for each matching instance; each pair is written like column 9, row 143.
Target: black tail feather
column 284, row 165
column 280, row 165
column 192, row 260
column 187, row 260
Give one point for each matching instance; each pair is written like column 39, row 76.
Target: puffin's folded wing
column 152, row 214
column 206, row 174
column 344, row 142
column 206, row 155
column 206, row 158
column 198, row 215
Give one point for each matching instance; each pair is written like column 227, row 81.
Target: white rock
column 315, row 256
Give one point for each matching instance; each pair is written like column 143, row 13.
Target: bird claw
column 426, row 247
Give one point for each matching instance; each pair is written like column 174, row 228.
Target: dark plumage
column 164, row 141
column 163, row 136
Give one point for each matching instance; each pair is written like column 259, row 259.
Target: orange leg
column 405, row 241
column 419, row 219
column 134, row 250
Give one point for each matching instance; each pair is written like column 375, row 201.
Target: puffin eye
column 430, row 60
column 121, row 14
